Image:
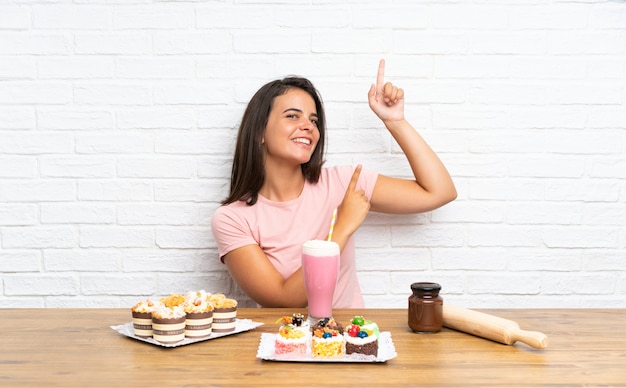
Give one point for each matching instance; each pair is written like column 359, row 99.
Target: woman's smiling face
column 291, row 134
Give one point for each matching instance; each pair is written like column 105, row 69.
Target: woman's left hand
column 385, row 99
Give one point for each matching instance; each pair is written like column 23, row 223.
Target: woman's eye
column 314, row 121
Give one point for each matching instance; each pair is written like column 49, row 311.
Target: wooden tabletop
column 77, row 347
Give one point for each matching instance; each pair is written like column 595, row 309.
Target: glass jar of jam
column 425, row 308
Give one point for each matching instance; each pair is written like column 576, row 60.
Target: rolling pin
column 491, row 327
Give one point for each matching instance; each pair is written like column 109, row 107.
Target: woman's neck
column 282, row 184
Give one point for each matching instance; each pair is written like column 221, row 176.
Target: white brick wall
column 118, row 118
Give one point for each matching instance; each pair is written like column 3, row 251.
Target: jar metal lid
column 425, row 286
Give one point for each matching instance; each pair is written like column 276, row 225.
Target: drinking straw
column 332, row 224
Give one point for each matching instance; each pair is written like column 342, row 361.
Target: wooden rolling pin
column 491, row 327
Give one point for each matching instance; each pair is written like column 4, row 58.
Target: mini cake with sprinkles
column 362, row 337
column 224, row 313
column 293, row 335
column 329, row 323
column 199, row 314
column 168, row 324
column 142, row 318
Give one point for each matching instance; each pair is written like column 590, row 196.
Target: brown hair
column 248, row 173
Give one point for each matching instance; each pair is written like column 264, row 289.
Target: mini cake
column 142, row 318
column 326, row 343
column 173, row 300
column 293, row 335
column 361, row 339
column 199, row 314
column 168, row 324
column 224, row 313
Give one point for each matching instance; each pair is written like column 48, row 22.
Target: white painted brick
column 15, row 17
column 200, row 191
column 544, row 213
column 488, row 212
column 316, row 17
column 18, row 167
column 128, row 42
column 15, row 68
column 45, row 93
column 55, row 16
column 604, row 214
column 401, row 281
column 16, row 117
column 18, row 214
column 37, row 43
column 604, row 260
column 372, row 283
column 585, row 93
column 196, row 42
column 384, row 259
column 427, row 235
column 607, row 117
column 579, row 284
column 446, row 117
column 154, row 67
column 430, row 42
column 457, row 16
column 356, row 41
column 153, row 16
column 235, row 16
column 196, row 142
column 487, row 283
column 577, row 237
column 603, row 167
column 475, row 66
column 151, row 117
column 271, row 42
column 12, row 261
column 505, row 189
column 503, row 235
column 540, row 117
column 86, row 119
column 475, row 259
column 115, row 237
column 87, row 260
column 151, row 167
column 39, row 237
column 225, row 66
column 183, row 261
column 543, row 167
column 43, row 284
column 549, row 17
column 491, row 165
column 117, row 284
column 199, row 92
column 586, row 190
column 184, row 238
column 408, row 16
column 214, row 167
column 35, row 191
column 117, row 143
column 77, row 213
column 112, row 94
column 116, row 190
column 507, row 42
column 35, row 143
column 586, row 42
column 213, row 283
column 77, row 167
column 157, row 214
column 75, row 67
column 543, row 259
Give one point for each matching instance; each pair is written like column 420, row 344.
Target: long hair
column 248, row 172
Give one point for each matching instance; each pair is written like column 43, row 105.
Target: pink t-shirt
column 280, row 228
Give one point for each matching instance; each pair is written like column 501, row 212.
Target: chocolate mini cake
column 142, row 318
column 224, row 313
column 168, row 324
column 361, row 337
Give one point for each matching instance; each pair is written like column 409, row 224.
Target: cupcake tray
column 241, row 325
column 386, row 351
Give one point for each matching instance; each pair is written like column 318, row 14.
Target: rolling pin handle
column 533, row 339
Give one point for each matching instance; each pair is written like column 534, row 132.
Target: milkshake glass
column 320, row 266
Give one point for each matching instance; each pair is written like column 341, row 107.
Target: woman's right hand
column 352, row 211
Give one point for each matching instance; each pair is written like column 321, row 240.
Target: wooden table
column 77, row 347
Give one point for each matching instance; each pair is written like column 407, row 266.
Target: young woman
column 280, row 196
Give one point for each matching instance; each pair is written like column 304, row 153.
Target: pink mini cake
column 361, row 337
column 326, row 343
column 199, row 314
column 168, row 324
column 142, row 318
column 224, row 313
column 293, row 335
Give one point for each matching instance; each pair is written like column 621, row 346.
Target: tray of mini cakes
column 183, row 319
column 326, row 340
